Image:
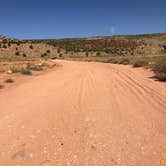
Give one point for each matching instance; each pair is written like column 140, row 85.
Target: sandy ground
column 84, row 114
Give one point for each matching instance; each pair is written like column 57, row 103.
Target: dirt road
column 84, row 114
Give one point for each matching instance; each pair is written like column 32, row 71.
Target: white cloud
column 113, row 30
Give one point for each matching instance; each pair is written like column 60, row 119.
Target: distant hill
column 121, row 45
column 143, row 44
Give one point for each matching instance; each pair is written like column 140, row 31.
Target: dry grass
column 156, row 63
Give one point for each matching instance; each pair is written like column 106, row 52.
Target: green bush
column 26, row 72
column 33, row 67
column 9, row 80
column 160, row 69
column 140, row 63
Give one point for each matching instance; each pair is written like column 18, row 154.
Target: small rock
column 9, row 72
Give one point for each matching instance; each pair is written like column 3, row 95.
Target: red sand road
column 84, row 114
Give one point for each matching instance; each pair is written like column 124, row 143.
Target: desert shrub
column 124, row 61
column 58, row 50
column 24, row 55
column 160, row 69
column 9, row 80
column 33, row 67
column 26, row 72
column 161, row 76
column 160, row 65
column 87, row 54
column 98, row 54
column 60, row 55
column 140, row 63
column 114, row 61
column 4, row 41
column 107, row 51
column 4, row 46
column 44, row 64
column 17, row 53
column 48, row 51
column 44, row 55
column 15, row 69
column 31, row 46
column 1, row 86
column 9, row 44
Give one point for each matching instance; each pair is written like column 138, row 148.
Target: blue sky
column 29, row 19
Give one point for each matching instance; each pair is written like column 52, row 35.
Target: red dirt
column 84, row 114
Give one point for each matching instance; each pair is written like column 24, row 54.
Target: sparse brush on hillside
column 18, row 44
column 17, row 53
column 87, row 54
column 4, row 46
column 24, row 55
column 44, row 55
column 60, row 55
column 48, row 51
column 98, row 54
column 31, row 46
column 58, row 50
